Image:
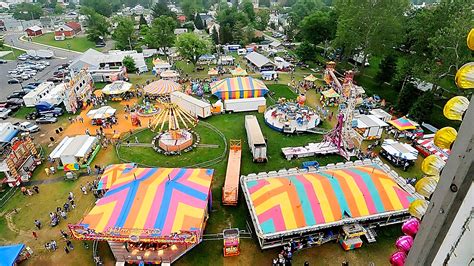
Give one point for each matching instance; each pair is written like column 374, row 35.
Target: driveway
column 12, row 38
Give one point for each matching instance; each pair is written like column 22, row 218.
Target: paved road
column 12, row 38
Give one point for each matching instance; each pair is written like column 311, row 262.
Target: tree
column 97, row 25
column 387, row 69
column 129, row 63
column 161, row 9
column 215, row 35
column 407, row 97
column 71, row 6
column 402, row 75
column 142, row 20
column 302, row 9
column 247, row 7
column 231, row 23
column 102, row 7
column 318, row 27
column 124, row 34
column 262, row 17
column 2, row 43
column 160, row 35
column 191, row 7
column 198, row 22
column 373, row 27
column 58, row 9
column 423, row 106
column 191, row 47
column 248, row 35
column 26, row 11
column 306, row 51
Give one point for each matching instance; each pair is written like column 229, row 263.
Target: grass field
column 14, row 53
column 78, row 43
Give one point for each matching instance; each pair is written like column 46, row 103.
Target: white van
column 242, row 51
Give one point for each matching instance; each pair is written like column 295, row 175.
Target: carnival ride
column 147, row 109
column 342, row 138
column 178, row 137
column 291, row 117
column 230, row 191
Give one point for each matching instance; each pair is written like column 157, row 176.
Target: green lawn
column 22, row 112
column 14, row 52
column 79, row 44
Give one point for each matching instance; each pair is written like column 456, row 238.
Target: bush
column 129, row 63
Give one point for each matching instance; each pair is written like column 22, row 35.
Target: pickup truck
column 4, row 112
column 28, row 127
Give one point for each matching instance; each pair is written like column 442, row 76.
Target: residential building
column 34, row 31
column 95, row 60
column 63, row 32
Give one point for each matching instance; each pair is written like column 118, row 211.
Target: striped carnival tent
column 112, row 173
column 161, row 87
column 239, row 88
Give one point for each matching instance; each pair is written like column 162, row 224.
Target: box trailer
column 35, row 96
column 245, row 105
column 190, row 104
column 256, row 141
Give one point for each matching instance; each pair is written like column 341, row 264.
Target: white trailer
column 190, row 104
column 255, row 138
column 244, row 105
column 35, row 96
column 57, row 95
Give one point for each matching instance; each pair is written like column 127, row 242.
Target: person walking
column 84, row 190
column 63, row 215
column 72, row 204
column 35, row 235
column 38, row 224
column 36, row 189
column 66, row 250
column 89, row 171
column 69, row 244
column 64, row 234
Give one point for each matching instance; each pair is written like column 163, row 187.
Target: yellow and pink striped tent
column 239, row 88
column 161, row 87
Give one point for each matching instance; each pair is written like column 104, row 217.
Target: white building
column 72, row 150
column 35, row 96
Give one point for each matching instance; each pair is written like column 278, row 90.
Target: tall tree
column 124, row 34
column 306, row 52
column 374, row 27
column 387, row 69
column 161, row 9
column 26, row 11
column 407, row 97
column 262, row 17
column 191, row 7
column 198, row 22
column 303, row 8
column 318, row 27
column 102, row 7
column 191, row 47
column 232, row 23
column 97, row 25
column 215, row 35
column 247, row 7
column 423, row 106
column 160, row 35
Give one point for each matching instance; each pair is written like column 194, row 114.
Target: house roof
column 257, row 59
column 74, row 25
column 90, row 57
column 63, row 28
column 34, row 28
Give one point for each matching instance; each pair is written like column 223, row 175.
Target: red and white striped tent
column 428, row 148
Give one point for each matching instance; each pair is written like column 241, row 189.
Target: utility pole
column 455, row 181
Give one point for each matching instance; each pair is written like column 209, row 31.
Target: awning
column 117, row 87
column 403, row 123
column 331, row 93
column 310, row 78
column 161, row 87
column 9, row 254
column 239, row 88
column 101, row 113
column 238, row 71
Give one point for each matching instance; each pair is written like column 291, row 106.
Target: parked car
column 54, row 112
column 28, row 127
column 19, row 93
column 13, row 81
column 46, row 120
column 54, row 80
column 4, row 112
column 3, row 61
column 12, row 107
column 15, row 101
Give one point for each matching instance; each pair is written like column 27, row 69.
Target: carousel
column 292, row 117
column 147, row 109
column 179, row 137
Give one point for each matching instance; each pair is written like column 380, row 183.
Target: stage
column 297, row 203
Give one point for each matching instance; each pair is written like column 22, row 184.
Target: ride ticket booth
column 350, row 237
column 231, row 242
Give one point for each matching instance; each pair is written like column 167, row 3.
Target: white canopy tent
column 117, row 87
column 101, row 113
column 400, row 150
column 72, row 149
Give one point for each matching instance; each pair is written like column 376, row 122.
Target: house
column 75, row 26
column 34, row 31
column 259, row 61
column 181, row 19
column 63, row 32
column 206, row 18
column 180, row 31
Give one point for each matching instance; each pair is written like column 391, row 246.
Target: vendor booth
column 330, row 98
column 14, row 254
column 75, row 152
column 398, row 153
column 269, row 75
column 160, row 66
column 161, row 87
column 239, row 88
column 369, row 126
column 238, row 72
column 310, row 78
column 104, row 114
column 117, row 89
column 225, row 60
column 426, row 147
column 170, row 75
column 405, row 127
